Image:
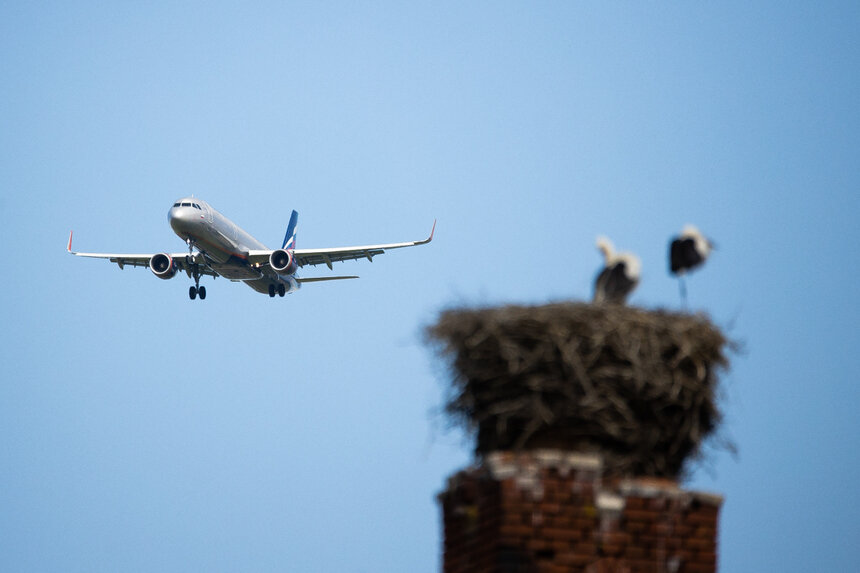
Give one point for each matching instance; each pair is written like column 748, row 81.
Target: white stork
column 688, row 251
column 619, row 275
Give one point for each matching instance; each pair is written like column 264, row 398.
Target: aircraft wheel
column 202, row 292
column 282, row 290
column 272, row 291
column 192, row 293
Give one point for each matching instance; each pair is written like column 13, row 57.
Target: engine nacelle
column 162, row 266
column 283, row 262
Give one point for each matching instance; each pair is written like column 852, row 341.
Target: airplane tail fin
column 290, row 237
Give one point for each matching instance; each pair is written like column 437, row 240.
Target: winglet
column 69, row 248
column 430, row 238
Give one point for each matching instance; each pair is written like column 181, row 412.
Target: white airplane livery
column 218, row 247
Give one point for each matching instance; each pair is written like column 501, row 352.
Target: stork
column 619, row 276
column 688, row 251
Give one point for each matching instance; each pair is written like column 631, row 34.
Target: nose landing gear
column 196, row 290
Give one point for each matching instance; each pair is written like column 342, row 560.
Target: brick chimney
column 585, row 417
column 552, row 511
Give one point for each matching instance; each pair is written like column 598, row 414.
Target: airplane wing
column 328, row 256
column 183, row 261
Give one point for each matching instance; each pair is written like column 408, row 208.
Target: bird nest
column 639, row 387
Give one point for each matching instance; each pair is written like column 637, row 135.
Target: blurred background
column 141, row 431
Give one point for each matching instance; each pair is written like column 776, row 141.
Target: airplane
column 224, row 249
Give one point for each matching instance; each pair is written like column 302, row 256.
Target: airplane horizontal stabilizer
column 320, row 279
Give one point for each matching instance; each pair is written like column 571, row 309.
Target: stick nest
column 637, row 386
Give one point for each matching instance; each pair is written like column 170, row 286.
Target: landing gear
column 278, row 289
column 196, row 290
column 193, row 292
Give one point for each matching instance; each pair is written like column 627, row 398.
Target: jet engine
column 162, row 266
column 283, row 262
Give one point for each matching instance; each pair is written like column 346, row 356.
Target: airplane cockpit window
column 186, row 204
column 176, row 205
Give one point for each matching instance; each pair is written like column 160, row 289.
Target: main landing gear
column 280, row 290
column 194, row 291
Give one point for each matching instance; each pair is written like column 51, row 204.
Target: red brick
column 617, row 537
column 705, row 558
column 560, row 534
column 584, row 523
column 658, row 503
column 701, row 519
column 607, row 565
column 561, row 521
column 635, row 552
column 696, row 568
column 640, row 515
column 574, row 558
column 538, row 544
column 700, row 544
column 634, row 503
column 704, row 509
column 704, row 533
column 509, row 489
column 552, row 568
column 516, row 530
column 635, row 527
column 642, row 565
column 611, row 549
column 551, row 508
column 585, row 548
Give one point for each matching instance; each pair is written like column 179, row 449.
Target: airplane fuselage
column 224, row 244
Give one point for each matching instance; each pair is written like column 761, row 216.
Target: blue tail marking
column 290, row 237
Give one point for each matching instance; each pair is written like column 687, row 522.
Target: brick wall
column 553, row 511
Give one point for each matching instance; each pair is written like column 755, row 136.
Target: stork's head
column 703, row 244
column 690, row 231
column 604, row 245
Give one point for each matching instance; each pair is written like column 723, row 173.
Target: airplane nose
column 180, row 218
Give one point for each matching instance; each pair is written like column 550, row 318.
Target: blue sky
column 140, row 431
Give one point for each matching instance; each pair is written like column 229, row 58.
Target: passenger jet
column 223, row 249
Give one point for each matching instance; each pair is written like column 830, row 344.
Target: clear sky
column 140, row 431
